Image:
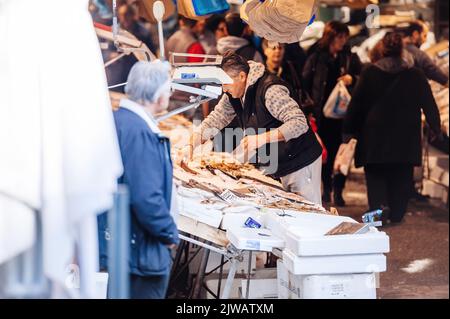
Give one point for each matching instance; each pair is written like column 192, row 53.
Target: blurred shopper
column 216, row 24
column 296, row 55
column 206, row 37
column 129, row 20
column 235, row 41
column 415, row 36
column 185, row 40
column 267, row 114
column 148, row 175
column 278, row 65
column 384, row 115
column 331, row 62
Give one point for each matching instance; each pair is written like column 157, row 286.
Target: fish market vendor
column 272, row 126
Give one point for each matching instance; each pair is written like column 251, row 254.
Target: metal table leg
column 222, row 259
column 247, row 292
column 201, row 274
column 230, row 278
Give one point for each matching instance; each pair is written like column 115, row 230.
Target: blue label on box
column 186, row 76
column 251, row 223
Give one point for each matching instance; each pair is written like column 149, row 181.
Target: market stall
column 231, row 208
column 228, row 207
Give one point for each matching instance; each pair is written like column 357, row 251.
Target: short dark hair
column 414, row 26
column 188, row 22
column 392, row 45
column 131, row 11
column 235, row 25
column 234, row 63
column 212, row 23
column 331, row 31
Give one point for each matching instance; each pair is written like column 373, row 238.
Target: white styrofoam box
column 311, row 224
column 283, row 287
column 439, row 175
column 260, row 288
column 346, row 286
column 437, row 158
column 207, row 214
column 233, row 220
column 434, row 190
column 301, row 244
column 335, row 286
column 259, row 239
column 263, row 285
column 101, row 285
column 343, row 264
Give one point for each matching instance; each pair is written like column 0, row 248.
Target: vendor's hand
column 347, row 79
column 184, row 154
column 251, row 143
column 187, row 152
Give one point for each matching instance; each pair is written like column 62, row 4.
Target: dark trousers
column 330, row 131
column 150, row 287
column 388, row 185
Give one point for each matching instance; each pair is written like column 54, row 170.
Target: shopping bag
column 344, row 157
column 299, row 11
column 337, row 103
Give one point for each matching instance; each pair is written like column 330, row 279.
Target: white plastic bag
column 337, row 102
column 344, row 157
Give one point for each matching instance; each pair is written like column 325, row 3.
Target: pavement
column 417, row 265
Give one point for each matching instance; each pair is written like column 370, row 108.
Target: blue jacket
column 148, row 175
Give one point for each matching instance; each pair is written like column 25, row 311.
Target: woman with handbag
column 384, row 115
column 331, row 61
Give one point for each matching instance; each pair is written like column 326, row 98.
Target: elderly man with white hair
column 148, row 175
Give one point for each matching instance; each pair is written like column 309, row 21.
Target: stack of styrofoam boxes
column 316, row 266
column 436, row 186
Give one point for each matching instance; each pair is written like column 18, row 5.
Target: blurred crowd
column 283, row 89
column 313, row 74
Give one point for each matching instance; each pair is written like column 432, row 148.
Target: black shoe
column 338, row 199
column 385, row 215
column 326, row 197
column 419, row 197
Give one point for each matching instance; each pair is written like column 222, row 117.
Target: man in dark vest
column 273, row 126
